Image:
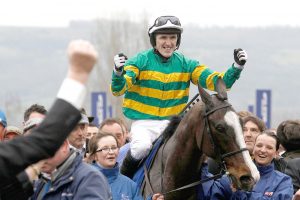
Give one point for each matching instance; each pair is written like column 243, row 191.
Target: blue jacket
column 122, row 187
column 272, row 185
column 79, row 181
column 214, row 189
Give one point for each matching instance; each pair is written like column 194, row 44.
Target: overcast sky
column 245, row 13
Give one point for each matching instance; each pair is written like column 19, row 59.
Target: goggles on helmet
column 165, row 22
column 164, row 19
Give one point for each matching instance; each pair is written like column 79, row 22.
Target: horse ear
column 221, row 89
column 205, row 97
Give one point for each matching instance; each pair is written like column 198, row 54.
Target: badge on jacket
column 269, row 194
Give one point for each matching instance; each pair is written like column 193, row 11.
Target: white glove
column 240, row 58
column 119, row 61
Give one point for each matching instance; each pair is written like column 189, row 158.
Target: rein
column 196, row 183
column 216, row 149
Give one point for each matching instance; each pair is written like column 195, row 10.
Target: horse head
column 223, row 138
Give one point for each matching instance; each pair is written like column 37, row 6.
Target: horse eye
column 220, row 128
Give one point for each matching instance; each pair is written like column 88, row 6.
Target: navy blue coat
column 80, row 181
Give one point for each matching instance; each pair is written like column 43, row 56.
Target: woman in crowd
column 104, row 150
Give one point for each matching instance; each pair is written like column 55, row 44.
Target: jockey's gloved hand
column 119, row 61
column 240, row 58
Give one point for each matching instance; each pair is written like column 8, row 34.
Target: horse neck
column 188, row 155
column 190, row 130
column 204, row 138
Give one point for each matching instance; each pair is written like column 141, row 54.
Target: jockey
column 156, row 85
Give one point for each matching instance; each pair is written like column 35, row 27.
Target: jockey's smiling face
column 166, row 44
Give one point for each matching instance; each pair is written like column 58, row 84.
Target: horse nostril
column 247, row 182
column 246, row 179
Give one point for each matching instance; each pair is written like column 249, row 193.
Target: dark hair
column 34, row 108
column 288, row 133
column 93, row 142
column 111, row 121
column 260, row 124
column 271, row 133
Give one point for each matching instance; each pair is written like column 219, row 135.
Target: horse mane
column 176, row 119
column 171, row 128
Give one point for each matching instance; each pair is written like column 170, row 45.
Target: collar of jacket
column 265, row 169
column 162, row 58
column 291, row 154
column 110, row 173
column 63, row 176
column 60, row 171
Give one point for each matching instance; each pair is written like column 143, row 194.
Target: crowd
column 61, row 154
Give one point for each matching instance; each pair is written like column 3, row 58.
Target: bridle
column 216, row 148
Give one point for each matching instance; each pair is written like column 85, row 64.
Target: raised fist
column 240, row 58
column 119, row 61
column 82, row 58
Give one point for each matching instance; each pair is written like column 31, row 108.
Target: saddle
column 146, row 163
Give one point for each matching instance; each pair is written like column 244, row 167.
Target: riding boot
column 130, row 165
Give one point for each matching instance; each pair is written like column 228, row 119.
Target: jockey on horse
column 156, row 85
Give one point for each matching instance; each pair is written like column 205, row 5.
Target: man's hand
column 297, row 195
column 240, row 58
column 33, row 171
column 157, row 196
column 82, row 58
column 233, row 188
column 119, row 61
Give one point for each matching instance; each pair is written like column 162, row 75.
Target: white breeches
column 144, row 132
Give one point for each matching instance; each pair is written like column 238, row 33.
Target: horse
column 211, row 128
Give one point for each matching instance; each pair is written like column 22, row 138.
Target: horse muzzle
column 245, row 182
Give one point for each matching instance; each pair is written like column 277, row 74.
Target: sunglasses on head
column 164, row 19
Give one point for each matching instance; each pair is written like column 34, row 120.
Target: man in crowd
column 113, row 126
column 12, row 132
column 77, row 137
column 84, row 182
column 91, row 130
column 288, row 133
column 33, row 116
column 35, row 111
